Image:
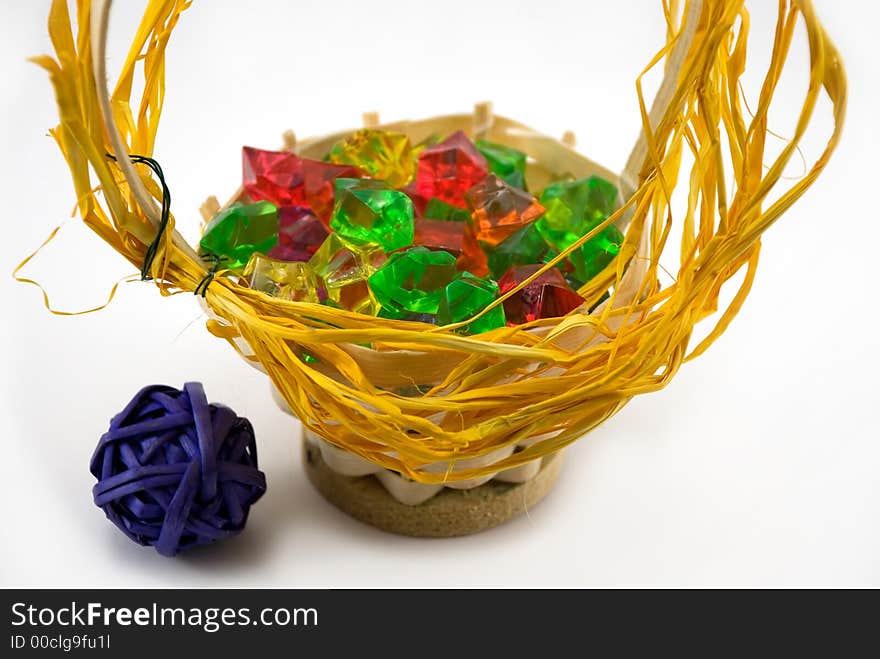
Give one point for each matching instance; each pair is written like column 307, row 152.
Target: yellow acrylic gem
column 290, row 280
column 343, row 267
column 382, row 154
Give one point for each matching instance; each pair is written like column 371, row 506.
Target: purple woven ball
column 175, row 472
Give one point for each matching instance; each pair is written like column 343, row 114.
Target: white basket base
column 409, row 492
column 398, row 507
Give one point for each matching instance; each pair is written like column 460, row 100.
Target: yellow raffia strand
column 551, row 380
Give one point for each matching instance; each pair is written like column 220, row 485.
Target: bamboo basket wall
column 543, row 384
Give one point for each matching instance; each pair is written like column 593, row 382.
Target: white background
column 757, row 466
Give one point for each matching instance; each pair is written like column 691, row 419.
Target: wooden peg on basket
column 289, row 138
column 209, row 208
column 483, row 119
column 370, row 119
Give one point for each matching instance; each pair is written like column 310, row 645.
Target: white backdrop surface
column 757, row 466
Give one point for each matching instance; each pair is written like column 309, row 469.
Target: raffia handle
column 629, row 177
column 100, row 17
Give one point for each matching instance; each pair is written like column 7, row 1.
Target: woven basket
column 555, row 156
column 538, row 386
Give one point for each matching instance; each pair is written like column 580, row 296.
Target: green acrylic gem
column 391, row 314
column 429, row 318
column 550, row 255
column 465, row 297
column 503, row 160
column 437, row 209
column 370, row 211
column 573, row 281
column 412, row 282
column 359, row 183
column 238, row 231
column 516, row 180
column 524, row 247
column 592, row 257
column 572, row 208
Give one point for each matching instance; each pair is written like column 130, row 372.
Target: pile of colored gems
column 433, row 232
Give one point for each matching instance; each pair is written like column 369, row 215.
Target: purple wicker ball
column 175, row 472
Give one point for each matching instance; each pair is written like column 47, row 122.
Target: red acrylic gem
column 457, row 238
column 548, row 296
column 472, row 258
column 449, row 169
column 440, row 234
column 285, row 179
column 318, row 185
column 419, row 202
column 300, row 234
column 274, row 176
